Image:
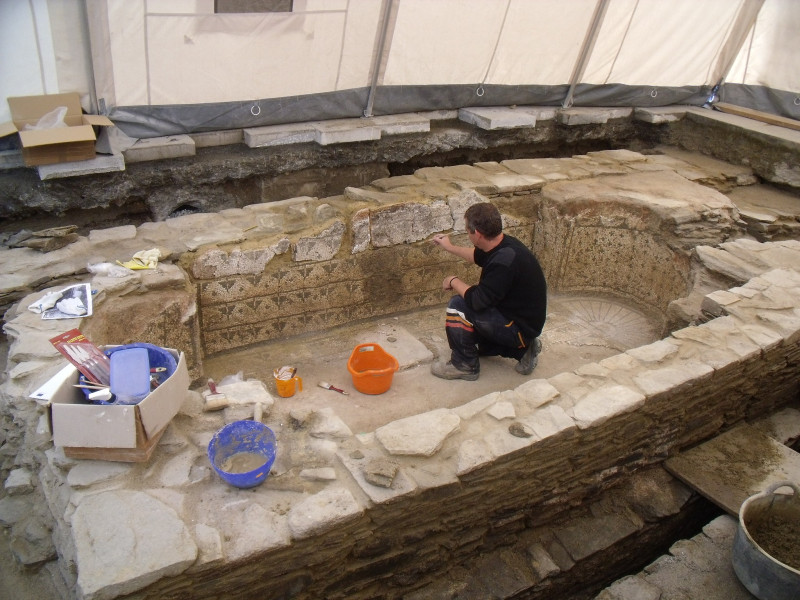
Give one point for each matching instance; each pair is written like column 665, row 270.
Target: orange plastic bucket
column 372, row 368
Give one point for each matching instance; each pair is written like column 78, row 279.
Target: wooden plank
column 735, row 465
column 758, row 115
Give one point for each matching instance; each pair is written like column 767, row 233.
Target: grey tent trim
column 757, row 97
column 154, row 121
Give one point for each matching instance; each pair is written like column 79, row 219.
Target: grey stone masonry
column 171, row 146
column 700, row 567
column 387, row 512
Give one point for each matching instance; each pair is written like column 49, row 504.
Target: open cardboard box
column 125, row 433
column 60, row 144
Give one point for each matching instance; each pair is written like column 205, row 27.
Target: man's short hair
column 484, row 217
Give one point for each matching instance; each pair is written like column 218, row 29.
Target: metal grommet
column 480, row 91
column 255, row 110
column 797, row 101
column 653, row 93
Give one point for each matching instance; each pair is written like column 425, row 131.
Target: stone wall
column 628, row 234
column 485, row 485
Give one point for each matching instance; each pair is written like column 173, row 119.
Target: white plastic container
column 130, row 375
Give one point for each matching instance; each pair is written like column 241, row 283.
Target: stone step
column 735, row 465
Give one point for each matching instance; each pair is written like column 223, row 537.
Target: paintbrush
column 328, row 386
column 215, row 400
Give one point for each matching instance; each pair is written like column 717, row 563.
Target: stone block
column 150, row 542
column 660, row 114
column 366, row 458
column 319, row 474
column 100, row 164
column 328, row 425
column 473, row 407
column 323, row 511
column 401, row 124
column 418, row 435
column 655, row 352
column 439, row 115
column 656, row 381
column 584, row 537
column 18, row 482
column 399, row 342
column 217, row 263
column 541, row 562
column 633, row 587
column 600, row 405
column 716, row 302
column 509, row 183
column 548, row 421
column 160, row 148
column 345, row 131
column 410, row 222
column 209, row 545
column 510, row 440
column 361, row 234
column 591, row 116
column 279, row 135
column 536, row 392
column 496, row 117
column 252, row 529
column 472, row 454
column 502, row 410
column 112, row 234
column 320, row 247
column 224, row 137
column 542, row 113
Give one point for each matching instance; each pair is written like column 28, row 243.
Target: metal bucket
column 762, row 517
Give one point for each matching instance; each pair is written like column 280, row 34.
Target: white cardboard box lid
column 29, row 109
column 109, row 426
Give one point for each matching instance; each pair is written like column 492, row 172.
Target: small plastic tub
column 242, row 453
column 159, row 358
column 372, row 368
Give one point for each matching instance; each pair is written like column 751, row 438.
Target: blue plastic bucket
column 249, row 441
column 158, row 356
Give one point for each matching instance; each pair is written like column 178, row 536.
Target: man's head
column 484, row 218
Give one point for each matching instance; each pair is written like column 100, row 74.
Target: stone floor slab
column 735, row 465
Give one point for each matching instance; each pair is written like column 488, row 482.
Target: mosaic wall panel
column 275, row 280
column 290, row 300
column 625, row 262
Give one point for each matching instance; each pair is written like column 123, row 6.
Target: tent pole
column 87, row 42
column 586, row 49
column 376, row 66
column 744, row 23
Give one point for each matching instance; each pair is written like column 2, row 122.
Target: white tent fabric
column 160, row 67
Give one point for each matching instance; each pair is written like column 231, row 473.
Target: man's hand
column 443, row 240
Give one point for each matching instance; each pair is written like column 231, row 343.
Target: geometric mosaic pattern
column 289, row 299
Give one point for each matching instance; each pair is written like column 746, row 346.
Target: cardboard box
column 126, row 433
column 75, row 142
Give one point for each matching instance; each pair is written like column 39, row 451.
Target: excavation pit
column 704, row 337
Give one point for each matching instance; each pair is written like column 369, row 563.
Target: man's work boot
column 529, row 360
column 449, row 371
